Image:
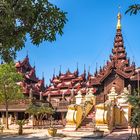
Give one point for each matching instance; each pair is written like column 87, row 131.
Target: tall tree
column 40, row 19
column 133, row 9
column 134, row 100
column 9, row 89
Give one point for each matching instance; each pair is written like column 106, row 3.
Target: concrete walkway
column 41, row 134
column 119, row 134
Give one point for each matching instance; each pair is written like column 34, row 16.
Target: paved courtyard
column 41, row 134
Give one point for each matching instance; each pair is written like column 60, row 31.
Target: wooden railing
column 18, row 101
column 83, row 113
column 46, row 123
column 60, row 105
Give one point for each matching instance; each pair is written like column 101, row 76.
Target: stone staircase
column 87, row 123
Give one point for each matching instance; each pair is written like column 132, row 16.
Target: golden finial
column 119, row 20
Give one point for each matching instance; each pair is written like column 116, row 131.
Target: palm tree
column 133, row 9
column 20, row 129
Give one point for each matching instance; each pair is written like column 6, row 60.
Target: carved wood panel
column 114, row 80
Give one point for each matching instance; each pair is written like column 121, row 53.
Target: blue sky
column 88, row 37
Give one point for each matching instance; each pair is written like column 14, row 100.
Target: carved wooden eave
column 30, row 79
column 55, row 80
column 129, row 69
column 23, row 65
column 123, row 74
column 40, row 86
column 108, row 72
column 135, row 77
column 52, row 87
column 64, row 85
column 31, row 75
column 68, row 75
column 67, row 81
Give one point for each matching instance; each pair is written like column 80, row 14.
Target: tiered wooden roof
column 118, row 63
column 69, row 83
column 30, row 79
column 66, row 83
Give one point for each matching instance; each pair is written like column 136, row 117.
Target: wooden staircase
column 87, row 123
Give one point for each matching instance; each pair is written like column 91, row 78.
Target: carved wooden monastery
column 32, row 86
column 118, row 72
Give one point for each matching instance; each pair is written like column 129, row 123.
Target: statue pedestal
column 124, row 108
column 70, row 127
column 79, row 98
column 103, row 118
column 71, row 118
column 123, row 116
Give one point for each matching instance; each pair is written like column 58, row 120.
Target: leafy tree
column 133, row 9
column 40, row 19
column 9, row 90
column 134, row 100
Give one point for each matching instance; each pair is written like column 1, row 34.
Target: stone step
column 85, row 129
column 87, row 125
column 87, row 122
column 90, row 117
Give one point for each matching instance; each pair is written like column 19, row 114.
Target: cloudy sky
column 87, row 39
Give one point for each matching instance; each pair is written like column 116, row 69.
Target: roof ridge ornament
column 27, row 55
column 119, row 20
column 60, row 70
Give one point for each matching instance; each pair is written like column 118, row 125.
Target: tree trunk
column 6, row 106
column 20, row 129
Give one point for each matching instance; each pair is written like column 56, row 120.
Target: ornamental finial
column 119, row 20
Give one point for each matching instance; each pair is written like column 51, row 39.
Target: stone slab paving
column 119, row 134
column 41, row 134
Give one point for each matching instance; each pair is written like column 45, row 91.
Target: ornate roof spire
column 54, row 73
column 84, row 69
column 119, row 20
column 77, row 67
column 27, row 54
column 88, row 71
column 42, row 75
column 34, row 64
column 60, row 71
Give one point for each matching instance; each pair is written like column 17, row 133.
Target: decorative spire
column 96, row 70
column 54, row 73
column 68, row 71
column 88, row 71
column 119, row 20
column 42, row 75
column 77, row 67
column 27, row 54
column 34, row 64
column 100, row 69
column 60, row 71
column 84, row 69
